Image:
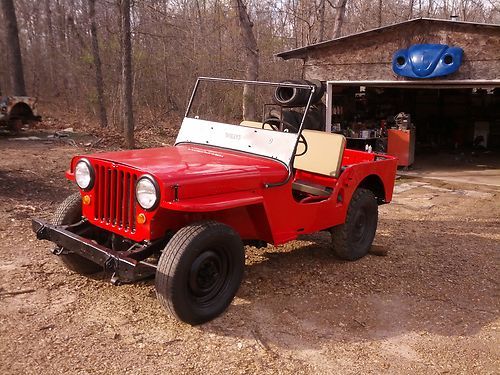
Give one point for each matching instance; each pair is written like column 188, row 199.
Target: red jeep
column 184, row 213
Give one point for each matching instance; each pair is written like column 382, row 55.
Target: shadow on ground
column 431, row 282
column 28, row 185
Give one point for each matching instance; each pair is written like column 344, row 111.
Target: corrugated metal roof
column 299, row 52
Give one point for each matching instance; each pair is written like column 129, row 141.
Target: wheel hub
column 206, row 274
column 360, row 225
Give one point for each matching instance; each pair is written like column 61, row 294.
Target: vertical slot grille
column 115, row 197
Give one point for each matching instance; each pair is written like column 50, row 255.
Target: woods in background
column 14, row 58
column 82, row 54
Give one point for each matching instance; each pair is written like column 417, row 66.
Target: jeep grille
column 115, row 197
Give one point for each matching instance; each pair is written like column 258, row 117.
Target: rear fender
column 377, row 176
column 375, row 185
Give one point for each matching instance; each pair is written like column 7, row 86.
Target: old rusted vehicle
column 15, row 111
column 184, row 213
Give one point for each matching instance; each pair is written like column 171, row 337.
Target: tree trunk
column 128, row 114
column 410, row 10
column 15, row 58
column 339, row 19
column 98, row 67
column 252, row 55
column 321, row 21
column 429, row 8
column 379, row 13
column 51, row 46
column 118, row 103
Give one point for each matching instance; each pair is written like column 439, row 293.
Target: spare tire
column 297, row 97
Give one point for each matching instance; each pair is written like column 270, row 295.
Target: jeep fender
column 214, row 202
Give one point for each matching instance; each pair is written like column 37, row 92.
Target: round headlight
column 84, row 174
column 146, row 192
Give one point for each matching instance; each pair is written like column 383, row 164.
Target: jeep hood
column 200, row 170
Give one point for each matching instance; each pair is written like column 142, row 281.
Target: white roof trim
column 455, row 84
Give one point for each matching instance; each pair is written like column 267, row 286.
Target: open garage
column 454, row 114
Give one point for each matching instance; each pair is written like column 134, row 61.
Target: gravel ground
column 431, row 305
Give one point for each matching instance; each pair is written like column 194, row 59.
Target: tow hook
column 110, row 264
column 115, row 280
column 58, row 250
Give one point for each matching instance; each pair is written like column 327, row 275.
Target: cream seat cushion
column 324, row 153
column 255, row 124
column 251, row 124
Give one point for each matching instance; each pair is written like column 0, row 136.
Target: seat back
column 324, row 153
column 251, row 124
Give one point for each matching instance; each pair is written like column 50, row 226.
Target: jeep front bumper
column 127, row 266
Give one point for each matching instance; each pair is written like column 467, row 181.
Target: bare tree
column 339, row 18
column 127, row 101
column 321, row 17
column 252, row 61
column 98, row 66
column 410, row 9
column 177, row 40
column 50, row 45
column 379, row 13
column 15, row 58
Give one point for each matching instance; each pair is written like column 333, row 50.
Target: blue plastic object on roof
column 427, row 60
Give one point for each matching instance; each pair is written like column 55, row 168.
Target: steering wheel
column 278, row 124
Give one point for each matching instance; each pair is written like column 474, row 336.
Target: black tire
column 353, row 239
column 200, row 271
column 297, row 97
column 70, row 212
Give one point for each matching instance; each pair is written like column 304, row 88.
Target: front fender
column 214, row 202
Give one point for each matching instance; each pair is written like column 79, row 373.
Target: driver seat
column 323, row 156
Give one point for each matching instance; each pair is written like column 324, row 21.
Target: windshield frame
column 289, row 161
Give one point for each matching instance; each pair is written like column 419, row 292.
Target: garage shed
column 369, row 94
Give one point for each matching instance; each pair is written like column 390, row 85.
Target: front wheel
column 200, row 271
column 353, row 239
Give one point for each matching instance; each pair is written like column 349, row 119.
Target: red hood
column 200, row 170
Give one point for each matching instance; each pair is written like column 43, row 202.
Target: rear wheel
column 70, row 212
column 200, row 271
column 353, row 239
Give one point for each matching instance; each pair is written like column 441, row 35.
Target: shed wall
column 369, row 57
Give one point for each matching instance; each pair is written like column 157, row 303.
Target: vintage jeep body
column 184, row 213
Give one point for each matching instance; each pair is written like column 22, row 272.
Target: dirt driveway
column 430, row 306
